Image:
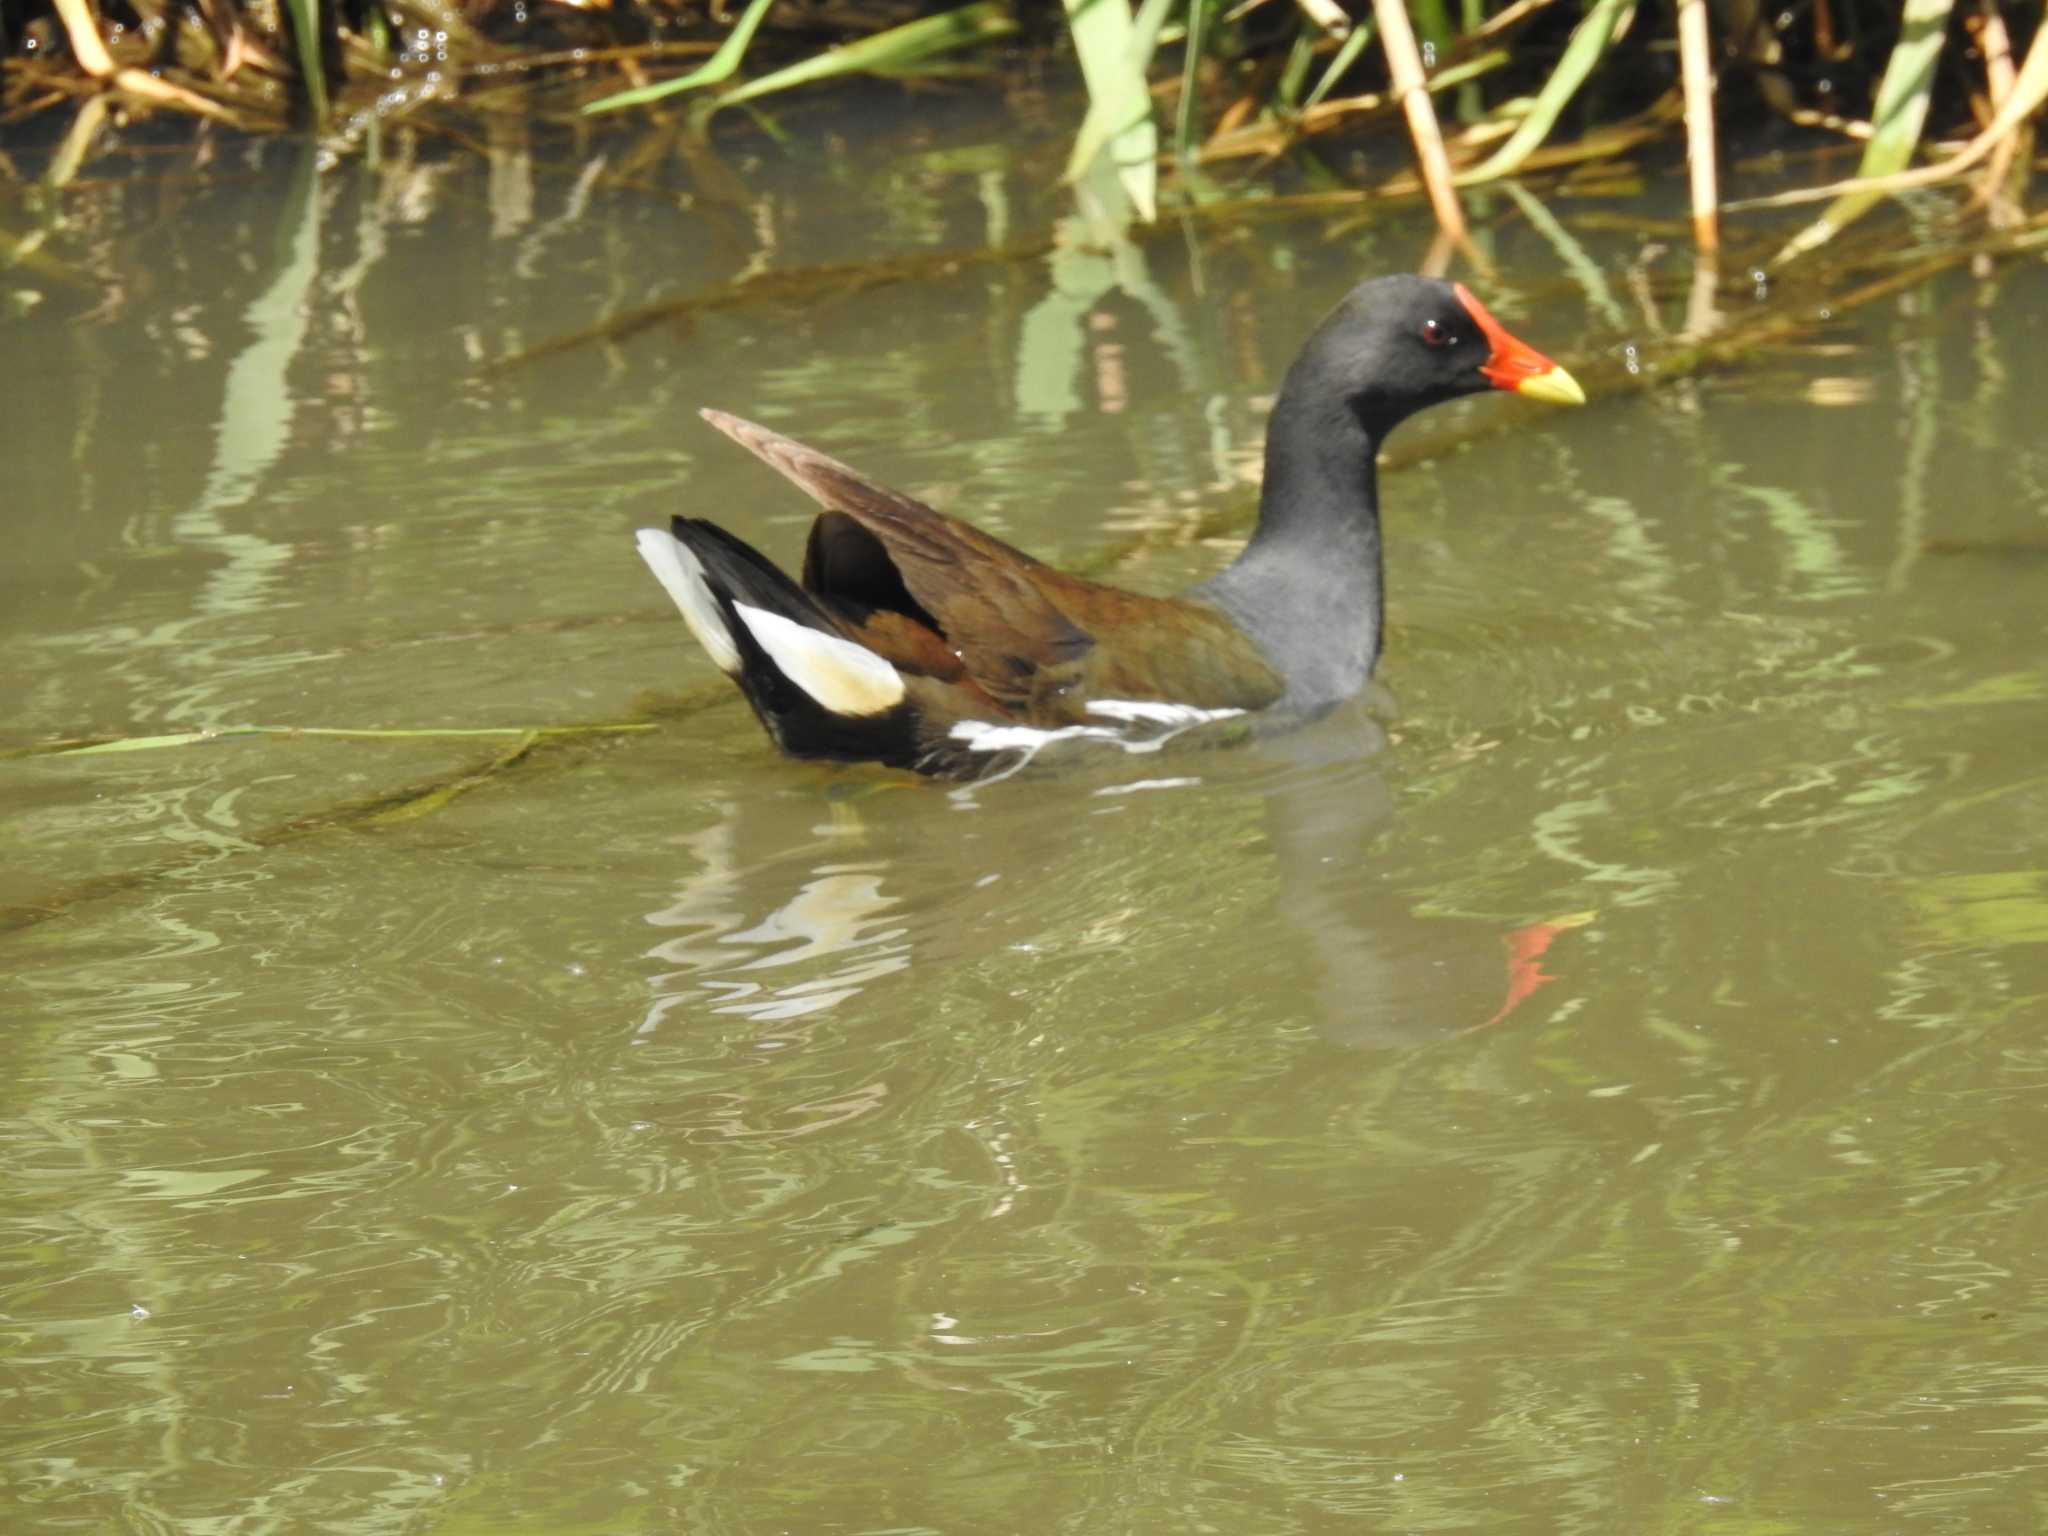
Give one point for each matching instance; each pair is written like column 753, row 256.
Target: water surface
column 1597, row 1091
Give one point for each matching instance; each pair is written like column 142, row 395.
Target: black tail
column 818, row 693
column 734, row 569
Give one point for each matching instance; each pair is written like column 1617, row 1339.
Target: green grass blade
column 1102, row 31
column 1471, row 104
column 142, row 743
column 1588, row 43
column 896, row 49
column 713, row 71
column 1184, row 119
column 1908, row 83
column 1895, row 122
column 1432, row 23
column 1114, row 49
column 1347, row 55
column 1294, row 73
column 1115, row 52
column 305, row 16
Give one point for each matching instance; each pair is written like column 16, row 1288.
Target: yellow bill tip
column 1553, row 385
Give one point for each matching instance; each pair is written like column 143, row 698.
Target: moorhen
column 917, row 640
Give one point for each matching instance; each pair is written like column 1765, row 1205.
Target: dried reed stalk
column 1404, row 66
column 1697, row 70
column 90, row 50
column 1995, row 43
column 1328, row 15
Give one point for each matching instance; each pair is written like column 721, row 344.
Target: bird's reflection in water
column 783, row 920
column 726, row 960
column 1375, row 971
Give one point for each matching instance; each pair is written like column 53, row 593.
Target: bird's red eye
column 1437, row 334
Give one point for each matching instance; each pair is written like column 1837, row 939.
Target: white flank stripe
column 1170, row 719
column 682, row 578
column 1108, row 790
column 845, row 678
column 1180, row 717
column 981, row 736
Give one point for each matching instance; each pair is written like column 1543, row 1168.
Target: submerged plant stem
column 100, row 746
column 408, row 803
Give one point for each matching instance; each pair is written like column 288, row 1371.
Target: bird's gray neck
column 1307, row 587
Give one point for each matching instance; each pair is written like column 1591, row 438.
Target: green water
column 1615, row 1105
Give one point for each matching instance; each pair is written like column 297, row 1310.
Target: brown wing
column 875, row 552
column 1176, row 650
column 941, row 597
